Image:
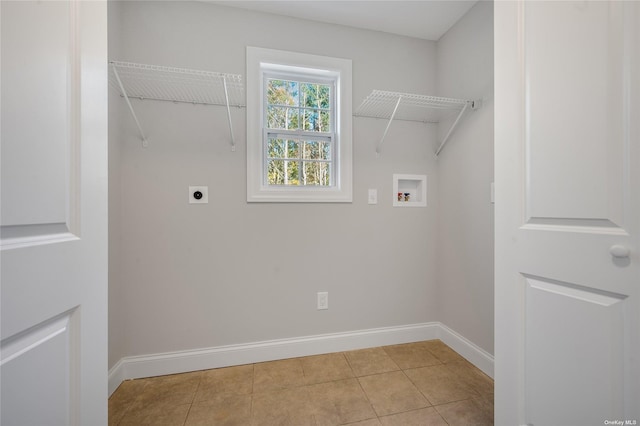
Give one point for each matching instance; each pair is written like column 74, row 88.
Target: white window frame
column 268, row 61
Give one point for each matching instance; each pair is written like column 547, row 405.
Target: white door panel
column 574, row 353
column 34, row 173
column 567, row 173
column 53, row 366
column 44, row 351
column 575, row 109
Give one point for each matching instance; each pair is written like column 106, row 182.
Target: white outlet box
column 198, row 194
column 323, row 300
column 409, row 190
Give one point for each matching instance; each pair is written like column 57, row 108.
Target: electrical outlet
column 323, row 300
column 198, row 194
column 373, row 196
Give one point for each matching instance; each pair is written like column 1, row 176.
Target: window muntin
column 299, row 117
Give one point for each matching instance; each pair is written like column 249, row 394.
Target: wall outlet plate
column 323, row 300
column 372, row 196
column 198, row 194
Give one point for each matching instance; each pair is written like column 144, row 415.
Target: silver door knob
column 619, row 251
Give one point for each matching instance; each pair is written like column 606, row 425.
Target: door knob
column 619, row 251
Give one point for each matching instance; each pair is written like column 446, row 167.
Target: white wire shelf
column 412, row 107
column 178, row 84
column 160, row 83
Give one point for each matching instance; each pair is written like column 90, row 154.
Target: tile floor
column 424, row 383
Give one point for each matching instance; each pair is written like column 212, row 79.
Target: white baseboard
column 224, row 356
column 473, row 353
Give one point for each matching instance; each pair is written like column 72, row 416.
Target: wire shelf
column 412, row 107
column 161, row 83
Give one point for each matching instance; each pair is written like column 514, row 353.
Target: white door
column 54, row 213
column 567, row 129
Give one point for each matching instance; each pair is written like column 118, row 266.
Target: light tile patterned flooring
column 424, row 383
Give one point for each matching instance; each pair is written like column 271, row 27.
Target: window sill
column 298, row 195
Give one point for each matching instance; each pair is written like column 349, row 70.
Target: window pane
column 293, row 149
column 325, row 151
column 324, row 121
column 275, row 149
column 282, row 172
column 282, row 118
column 311, row 150
column 275, row 172
column 316, row 150
column 282, row 92
column 315, row 120
column 314, row 95
column 292, row 174
column 316, row 173
column 309, row 118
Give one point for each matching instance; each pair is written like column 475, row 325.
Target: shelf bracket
column 453, row 126
column 226, row 97
column 145, row 143
column 384, row 135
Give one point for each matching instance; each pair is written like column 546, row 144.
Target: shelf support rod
column 384, row 135
column 226, row 97
column 145, row 143
column 453, row 126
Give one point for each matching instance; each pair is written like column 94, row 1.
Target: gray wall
column 465, row 173
column 195, row 276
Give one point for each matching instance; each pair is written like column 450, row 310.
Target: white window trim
column 259, row 60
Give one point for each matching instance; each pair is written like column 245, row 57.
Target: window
column 299, row 130
column 298, row 127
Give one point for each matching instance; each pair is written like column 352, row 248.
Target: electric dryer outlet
column 198, row 194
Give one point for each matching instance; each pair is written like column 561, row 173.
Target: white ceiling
column 425, row 19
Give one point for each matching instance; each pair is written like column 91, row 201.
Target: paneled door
column 567, row 128
column 53, row 213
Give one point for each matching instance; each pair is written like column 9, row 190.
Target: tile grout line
column 133, row 400
column 253, row 381
column 368, row 400
column 417, row 409
column 359, row 384
column 417, row 388
column 195, row 393
column 440, row 362
column 361, row 388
